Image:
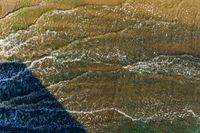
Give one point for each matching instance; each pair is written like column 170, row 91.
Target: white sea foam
column 184, row 65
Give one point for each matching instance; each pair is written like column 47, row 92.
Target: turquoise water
column 179, row 126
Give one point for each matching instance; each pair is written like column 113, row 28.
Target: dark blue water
column 27, row 106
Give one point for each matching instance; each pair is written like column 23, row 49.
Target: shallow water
column 101, row 67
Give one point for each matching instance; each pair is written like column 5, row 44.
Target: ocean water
column 128, row 68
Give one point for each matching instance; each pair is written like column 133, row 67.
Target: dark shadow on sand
column 26, row 106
